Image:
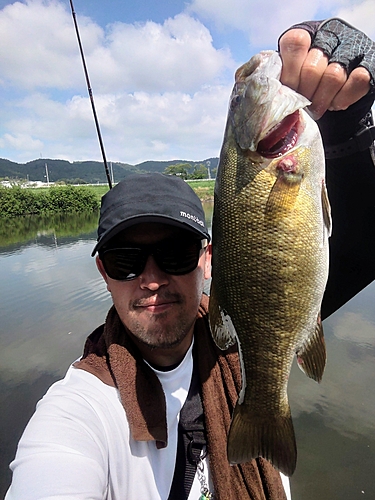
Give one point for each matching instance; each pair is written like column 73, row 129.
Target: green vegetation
column 188, row 170
column 204, row 189
column 18, row 201
column 98, row 190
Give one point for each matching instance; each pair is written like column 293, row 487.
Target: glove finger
column 347, row 46
column 368, row 62
column 327, row 37
column 359, row 51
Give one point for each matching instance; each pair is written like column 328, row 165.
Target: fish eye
column 235, row 101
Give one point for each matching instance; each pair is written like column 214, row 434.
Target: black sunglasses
column 171, row 256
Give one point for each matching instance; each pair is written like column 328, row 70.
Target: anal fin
column 312, row 356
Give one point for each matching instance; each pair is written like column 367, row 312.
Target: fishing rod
column 89, row 89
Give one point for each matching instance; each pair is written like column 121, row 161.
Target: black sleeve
column 351, row 189
column 350, row 179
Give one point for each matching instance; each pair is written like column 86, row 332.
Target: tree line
column 191, row 171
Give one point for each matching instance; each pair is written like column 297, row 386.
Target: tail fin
column 270, row 437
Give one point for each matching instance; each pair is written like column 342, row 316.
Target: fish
column 270, row 230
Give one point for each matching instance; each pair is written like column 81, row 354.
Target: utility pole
column 112, row 176
column 47, row 177
column 208, row 163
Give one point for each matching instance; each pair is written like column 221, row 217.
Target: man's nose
column 152, row 277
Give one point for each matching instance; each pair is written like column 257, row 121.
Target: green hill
column 90, row 172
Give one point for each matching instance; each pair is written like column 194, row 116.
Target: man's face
column 159, row 309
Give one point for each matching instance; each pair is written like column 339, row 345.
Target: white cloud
column 189, row 127
column 37, row 45
column 21, row 142
column 176, row 55
column 361, row 15
column 38, row 49
column 135, row 126
column 253, row 16
column 160, row 90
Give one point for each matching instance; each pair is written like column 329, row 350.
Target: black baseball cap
column 150, row 197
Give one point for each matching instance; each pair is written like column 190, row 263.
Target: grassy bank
column 17, row 201
column 204, row 189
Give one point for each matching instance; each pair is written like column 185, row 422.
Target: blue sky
column 161, row 72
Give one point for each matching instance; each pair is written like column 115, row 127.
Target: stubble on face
column 163, row 330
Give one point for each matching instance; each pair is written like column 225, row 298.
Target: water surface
column 52, row 297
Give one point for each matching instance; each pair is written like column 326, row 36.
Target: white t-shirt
column 78, row 445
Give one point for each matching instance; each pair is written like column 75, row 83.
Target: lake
column 52, row 297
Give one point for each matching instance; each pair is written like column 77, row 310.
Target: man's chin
column 163, row 343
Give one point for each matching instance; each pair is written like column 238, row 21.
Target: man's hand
column 332, row 64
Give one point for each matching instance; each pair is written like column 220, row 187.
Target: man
column 110, row 429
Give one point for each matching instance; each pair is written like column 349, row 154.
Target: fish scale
column 270, row 231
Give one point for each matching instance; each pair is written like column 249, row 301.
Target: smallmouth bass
column 270, row 232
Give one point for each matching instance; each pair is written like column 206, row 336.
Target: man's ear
column 99, row 265
column 207, row 264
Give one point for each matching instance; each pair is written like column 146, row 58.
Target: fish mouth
column 281, row 138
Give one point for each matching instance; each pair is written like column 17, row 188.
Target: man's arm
column 333, row 64
column 62, row 452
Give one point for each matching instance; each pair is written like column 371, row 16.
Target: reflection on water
column 334, row 420
column 52, row 297
column 19, row 230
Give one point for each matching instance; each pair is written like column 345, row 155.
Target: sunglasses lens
column 177, row 258
column 124, row 263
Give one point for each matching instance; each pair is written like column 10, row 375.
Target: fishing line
column 89, row 89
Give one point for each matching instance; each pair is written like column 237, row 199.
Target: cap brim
column 140, row 219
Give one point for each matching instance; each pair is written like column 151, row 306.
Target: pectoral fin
column 311, row 357
column 326, row 210
column 284, row 192
column 222, row 328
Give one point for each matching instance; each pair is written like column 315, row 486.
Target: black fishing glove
column 343, row 44
column 346, row 45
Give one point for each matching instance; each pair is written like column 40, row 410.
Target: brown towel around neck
column 111, row 355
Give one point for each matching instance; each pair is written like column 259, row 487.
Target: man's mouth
column 156, row 304
column 281, row 138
